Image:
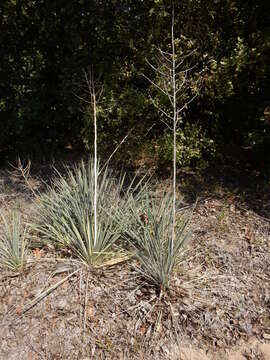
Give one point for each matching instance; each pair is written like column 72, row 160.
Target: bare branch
column 24, row 172
column 187, row 70
column 163, row 64
column 183, row 57
column 165, row 123
column 99, row 94
column 156, row 85
column 170, row 97
column 157, row 70
column 160, row 109
column 187, row 103
column 116, row 148
column 164, row 53
column 182, row 84
column 82, row 99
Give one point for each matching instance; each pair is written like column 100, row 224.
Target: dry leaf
column 37, row 253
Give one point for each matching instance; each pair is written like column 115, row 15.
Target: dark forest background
column 46, row 44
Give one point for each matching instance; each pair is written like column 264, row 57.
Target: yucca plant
column 156, row 251
column 13, row 238
column 67, row 213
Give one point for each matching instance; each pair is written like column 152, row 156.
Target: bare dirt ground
column 218, row 306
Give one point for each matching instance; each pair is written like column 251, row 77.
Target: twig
column 116, row 148
column 24, row 172
column 156, row 85
column 45, row 293
column 85, row 304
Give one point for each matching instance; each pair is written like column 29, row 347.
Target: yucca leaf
column 13, row 237
column 67, row 212
column 151, row 238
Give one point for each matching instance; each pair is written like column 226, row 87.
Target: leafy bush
column 192, row 146
column 13, row 237
column 156, row 252
column 67, row 214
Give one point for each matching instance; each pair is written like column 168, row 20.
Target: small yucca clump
column 67, row 214
column 157, row 252
column 13, row 238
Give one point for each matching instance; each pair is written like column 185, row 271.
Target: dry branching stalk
column 23, row 171
column 175, row 82
column 91, row 95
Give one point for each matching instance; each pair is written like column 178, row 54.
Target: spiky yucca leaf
column 155, row 250
column 13, row 237
column 67, row 213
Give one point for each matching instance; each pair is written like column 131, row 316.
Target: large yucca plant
column 151, row 238
column 13, row 237
column 67, row 213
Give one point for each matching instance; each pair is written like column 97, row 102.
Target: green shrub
column 193, row 146
column 13, row 238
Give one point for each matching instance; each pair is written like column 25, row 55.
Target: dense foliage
column 45, row 45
